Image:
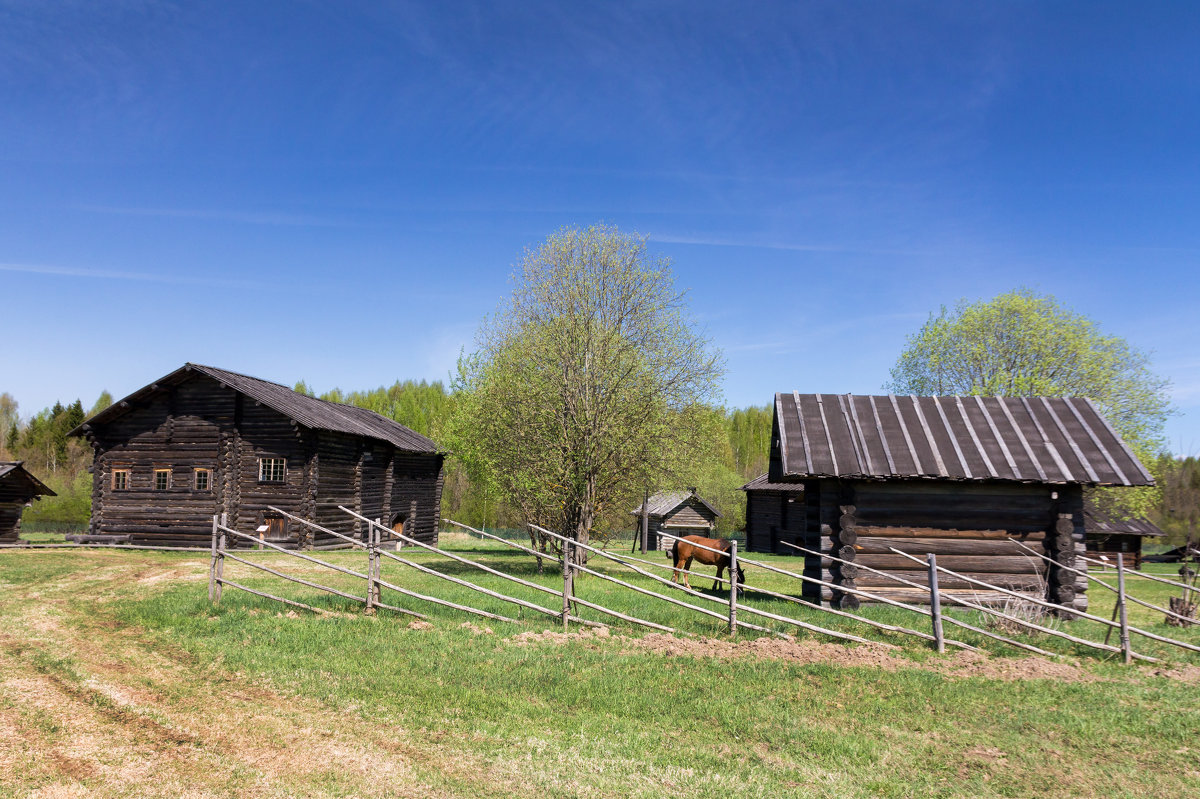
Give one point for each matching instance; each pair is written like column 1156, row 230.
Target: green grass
column 602, row 717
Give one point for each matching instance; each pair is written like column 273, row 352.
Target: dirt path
column 88, row 708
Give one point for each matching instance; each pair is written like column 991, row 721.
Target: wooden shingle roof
column 17, row 481
column 316, row 414
column 666, row 502
column 1097, row 521
column 1026, row 439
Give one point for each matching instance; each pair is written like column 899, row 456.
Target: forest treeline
column 62, row 462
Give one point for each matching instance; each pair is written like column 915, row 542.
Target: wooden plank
column 953, row 438
column 1037, row 464
column 936, row 532
column 937, row 454
column 971, row 563
column 912, row 450
column 1012, row 464
column 987, row 462
column 828, row 437
column 803, row 433
column 877, row 545
column 855, row 431
column 887, row 450
column 1095, row 440
column 1087, row 467
column 1149, row 478
column 1046, row 442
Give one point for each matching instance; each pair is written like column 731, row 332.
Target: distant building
column 677, row 513
column 18, row 488
column 203, row 441
column 1108, row 534
column 965, row 478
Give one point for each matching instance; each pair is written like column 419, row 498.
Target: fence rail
column 735, row 607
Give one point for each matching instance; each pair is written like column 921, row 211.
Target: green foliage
column 56, row 459
column 1027, row 344
column 589, row 386
column 1178, row 512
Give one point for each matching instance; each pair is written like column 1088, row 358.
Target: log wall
column 969, row 526
column 201, row 424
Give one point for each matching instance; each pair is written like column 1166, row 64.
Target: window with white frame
column 272, row 470
column 120, row 479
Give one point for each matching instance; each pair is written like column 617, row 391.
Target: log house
column 18, row 488
column 677, row 513
column 203, row 441
column 956, row 476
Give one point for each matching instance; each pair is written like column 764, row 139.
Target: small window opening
column 202, row 479
column 120, row 479
column 162, row 479
column 272, row 470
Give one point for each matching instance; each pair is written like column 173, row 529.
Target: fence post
column 733, row 587
column 212, row 566
column 568, row 580
column 935, row 605
column 370, row 604
column 1126, row 652
column 220, row 565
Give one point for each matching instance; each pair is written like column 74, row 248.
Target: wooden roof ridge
column 311, row 412
column 18, row 471
column 663, row 503
column 991, row 438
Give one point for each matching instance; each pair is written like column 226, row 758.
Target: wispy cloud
column 707, row 241
column 241, row 217
column 106, row 274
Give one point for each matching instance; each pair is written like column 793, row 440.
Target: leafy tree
column 9, row 420
column 589, row 385
column 1027, row 344
column 102, row 402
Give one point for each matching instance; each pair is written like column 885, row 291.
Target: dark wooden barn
column 956, row 476
column 204, row 441
column 1108, row 534
column 18, row 488
column 677, row 513
column 771, row 509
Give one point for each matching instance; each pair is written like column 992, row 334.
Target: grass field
column 121, row 679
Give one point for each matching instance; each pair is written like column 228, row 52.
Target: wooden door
column 276, row 529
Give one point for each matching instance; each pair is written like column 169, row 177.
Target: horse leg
column 720, row 571
column 687, row 567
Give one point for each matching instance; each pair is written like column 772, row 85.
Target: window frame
column 270, row 471
column 128, row 475
column 154, row 482
column 208, row 478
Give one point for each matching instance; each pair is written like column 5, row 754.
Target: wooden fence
column 734, row 605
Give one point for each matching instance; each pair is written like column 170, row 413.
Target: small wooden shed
column 966, row 478
column 770, row 508
column 18, row 488
column 676, row 513
column 203, row 441
column 1108, row 534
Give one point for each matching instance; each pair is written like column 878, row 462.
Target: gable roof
column 1026, row 439
column 1097, row 521
column 313, row 413
column 664, row 503
column 13, row 473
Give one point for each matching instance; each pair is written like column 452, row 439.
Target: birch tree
column 590, row 384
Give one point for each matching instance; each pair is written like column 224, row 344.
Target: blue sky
column 338, row 192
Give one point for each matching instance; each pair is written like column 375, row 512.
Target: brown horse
column 688, row 549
